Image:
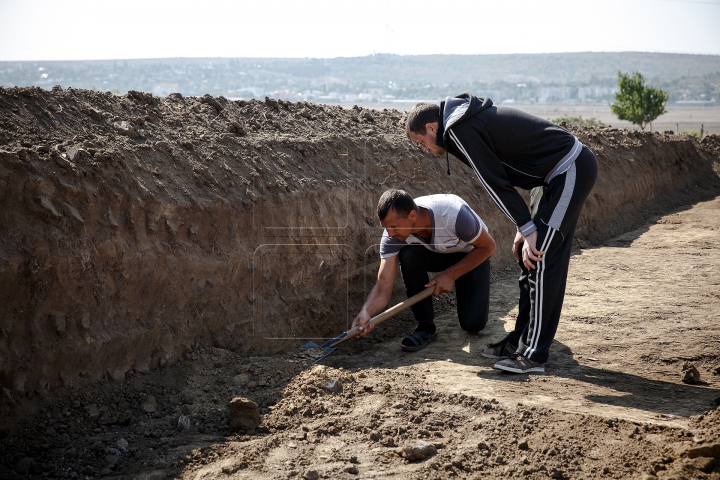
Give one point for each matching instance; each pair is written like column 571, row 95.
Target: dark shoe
column 417, row 341
column 501, row 349
column 516, row 363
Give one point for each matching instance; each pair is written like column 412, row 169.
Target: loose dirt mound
column 151, row 245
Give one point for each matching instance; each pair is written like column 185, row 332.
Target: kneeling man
column 434, row 233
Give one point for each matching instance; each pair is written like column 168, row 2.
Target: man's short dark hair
column 398, row 200
column 419, row 116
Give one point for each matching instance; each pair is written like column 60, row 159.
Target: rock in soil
column 243, row 414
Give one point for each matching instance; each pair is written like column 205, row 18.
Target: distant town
column 584, row 78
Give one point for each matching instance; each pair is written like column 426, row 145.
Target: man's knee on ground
column 472, row 325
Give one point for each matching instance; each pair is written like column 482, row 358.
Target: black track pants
column 555, row 209
column 472, row 290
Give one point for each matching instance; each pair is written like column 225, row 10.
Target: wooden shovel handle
column 389, row 313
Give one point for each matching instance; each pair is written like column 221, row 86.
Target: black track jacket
column 506, row 148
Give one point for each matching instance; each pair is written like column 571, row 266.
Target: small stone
column 690, row 374
column 333, row 386
column 92, row 113
column 62, row 161
column 149, row 405
column 183, row 422
column 352, row 470
column 243, row 414
column 311, row 475
column 419, row 451
column 388, row 442
column 127, row 129
column 557, row 473
column 93, row 411
column 523, row 444
column 122, row 444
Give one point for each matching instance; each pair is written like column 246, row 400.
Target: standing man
column 508, row 148
column 434, row 233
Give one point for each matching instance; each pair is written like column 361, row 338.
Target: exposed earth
column 611, row 405
column 631, row 389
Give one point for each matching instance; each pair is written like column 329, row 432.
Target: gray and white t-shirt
column 454, row 227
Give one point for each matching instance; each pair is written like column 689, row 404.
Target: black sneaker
column 502, row 349
column 516, row 363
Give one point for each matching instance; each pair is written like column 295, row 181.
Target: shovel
column 330, row 345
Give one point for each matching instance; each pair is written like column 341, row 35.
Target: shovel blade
column 325, row 346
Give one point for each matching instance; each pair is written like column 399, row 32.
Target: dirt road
column 611, row 405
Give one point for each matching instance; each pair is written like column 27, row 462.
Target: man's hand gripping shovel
column 331, row 345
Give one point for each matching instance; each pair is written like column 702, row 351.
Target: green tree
column 636, row 102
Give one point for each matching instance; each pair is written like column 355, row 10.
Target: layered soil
column 612, row 404
column 161, row 256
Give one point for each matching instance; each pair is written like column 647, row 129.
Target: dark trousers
column 472, row 290
column 555, row 210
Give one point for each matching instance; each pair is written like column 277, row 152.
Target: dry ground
column 611, row 405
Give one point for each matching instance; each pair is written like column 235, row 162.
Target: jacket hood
column 456, row 109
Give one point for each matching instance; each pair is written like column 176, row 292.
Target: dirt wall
column 133, row 228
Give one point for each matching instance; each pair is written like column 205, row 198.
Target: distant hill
column 583, row 77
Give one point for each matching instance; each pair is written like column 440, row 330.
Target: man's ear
column 431, row 127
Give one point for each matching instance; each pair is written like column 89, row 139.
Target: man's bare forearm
column 377, row 299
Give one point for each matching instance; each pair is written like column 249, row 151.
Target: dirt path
column 611, row 405
column 636, row 310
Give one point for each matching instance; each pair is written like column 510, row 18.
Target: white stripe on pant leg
column 538, row 304
column 538, row 287
column 539, row 312
column 565, row 197
column 539, row 296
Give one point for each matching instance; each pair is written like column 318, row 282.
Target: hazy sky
column 99, row 29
